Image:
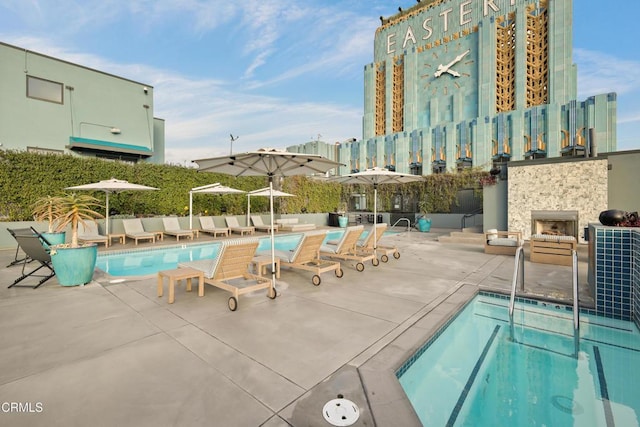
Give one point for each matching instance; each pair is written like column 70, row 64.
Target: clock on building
column 448, row 67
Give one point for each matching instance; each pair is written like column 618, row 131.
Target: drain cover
column 341, row 412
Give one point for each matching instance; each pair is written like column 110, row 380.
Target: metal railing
column 576, row 303
column 463, row 220
column 518, row 277
column 403, row 219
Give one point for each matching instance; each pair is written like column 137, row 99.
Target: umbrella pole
column 190, row 210
column 273, row 247
column 106, row 222
column 248, row 208
column 375, row 218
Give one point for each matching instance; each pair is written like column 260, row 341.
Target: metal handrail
column 576, row 303
column 403, row 219
column 463, row 220
column 518, row 276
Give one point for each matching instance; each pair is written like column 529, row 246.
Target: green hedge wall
column 25, row 177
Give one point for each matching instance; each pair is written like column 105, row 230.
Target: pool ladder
column 518, row 278
column 403, row 219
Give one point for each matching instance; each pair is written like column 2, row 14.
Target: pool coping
column 387, row 400
column 385, row 396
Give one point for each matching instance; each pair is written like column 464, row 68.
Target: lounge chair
column 369, row 244
column 261, row 226
column 232, row 223
column 230, row 270
column 88, row 233
column 346, row 248
column 134, row 229
column 172, row 228
column 306, row 256
column 32, row 246
column 21, row 231
column 208, row 226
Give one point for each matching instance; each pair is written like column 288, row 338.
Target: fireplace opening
column 555, row 223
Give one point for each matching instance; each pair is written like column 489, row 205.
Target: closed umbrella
column 375, row 176
column 111, row 186
column 216, row 188
column 268, row 162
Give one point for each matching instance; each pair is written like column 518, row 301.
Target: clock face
column 448, row 68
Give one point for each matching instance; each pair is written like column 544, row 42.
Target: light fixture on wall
column 115, row 131
column 145, row 90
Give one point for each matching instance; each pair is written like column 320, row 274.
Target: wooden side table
column 260, row 264
column 121, row 238
column 177, row 275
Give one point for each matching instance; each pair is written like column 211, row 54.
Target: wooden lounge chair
column 370, row 243
column 208, row 226
column 232, row 223
column 134, row 229
column 261, row 226
column 346, row 248
column 88, row 233
column 306, row 256
column 32, row 245
column 502, row 242
column 230, row 270
column 172, row 228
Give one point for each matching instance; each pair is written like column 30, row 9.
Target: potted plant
column 424, row 222
column 73, row 262
column 44, row 209
column 343, row 219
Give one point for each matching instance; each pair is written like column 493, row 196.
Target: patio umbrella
column 216, row 188
column 376, row 176
column 111, row 186
column 263, row 192
column 268, row 162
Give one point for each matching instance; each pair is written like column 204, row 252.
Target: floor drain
column 341, row 412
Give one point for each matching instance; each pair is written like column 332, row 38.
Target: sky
column 275, row 73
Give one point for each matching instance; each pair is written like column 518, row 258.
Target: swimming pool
column 143, row 262
column 473, row 374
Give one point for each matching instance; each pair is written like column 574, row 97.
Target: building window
column 44, row 90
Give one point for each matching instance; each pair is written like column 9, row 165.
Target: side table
column 177, row 275
column 260, row 264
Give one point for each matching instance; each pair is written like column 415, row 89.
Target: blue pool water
column 474, row 374
column 148, row 261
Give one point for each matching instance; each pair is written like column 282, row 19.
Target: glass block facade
column 614, row 271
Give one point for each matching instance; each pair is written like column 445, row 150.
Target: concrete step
column 463, row 237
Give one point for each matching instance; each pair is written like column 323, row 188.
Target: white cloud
column 603, row 73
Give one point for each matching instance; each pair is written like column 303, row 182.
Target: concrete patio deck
column 114, row 354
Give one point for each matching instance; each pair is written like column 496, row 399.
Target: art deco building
column 474, row 83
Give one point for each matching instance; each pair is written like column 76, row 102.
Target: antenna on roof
column 233, row 138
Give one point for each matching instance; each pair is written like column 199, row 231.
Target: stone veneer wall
column 577, row 185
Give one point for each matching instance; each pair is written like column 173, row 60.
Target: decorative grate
column 381, row 99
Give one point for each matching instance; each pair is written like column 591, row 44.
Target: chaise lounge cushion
column 292, row 224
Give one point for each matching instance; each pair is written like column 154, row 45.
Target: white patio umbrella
column 216, row 188
column 376, row 176
column 111, row 186
column 268, row 162
column 263, row 192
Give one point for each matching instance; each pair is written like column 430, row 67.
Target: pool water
column 474, row 374
column 143, row 262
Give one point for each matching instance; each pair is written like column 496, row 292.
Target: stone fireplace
column 555, row 223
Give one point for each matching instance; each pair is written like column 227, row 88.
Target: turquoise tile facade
column 614, row 271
